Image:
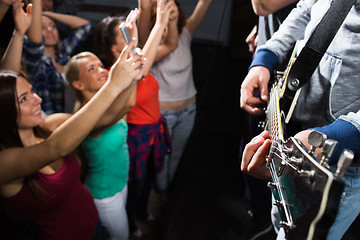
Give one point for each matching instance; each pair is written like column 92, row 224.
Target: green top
column 108, row 157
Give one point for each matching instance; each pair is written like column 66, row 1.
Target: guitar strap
column 316, row 46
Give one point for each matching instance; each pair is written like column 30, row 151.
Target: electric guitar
column 305, row 191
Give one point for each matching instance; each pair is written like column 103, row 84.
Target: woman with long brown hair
column 39, row 175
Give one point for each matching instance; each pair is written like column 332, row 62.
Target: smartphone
column 126, row 34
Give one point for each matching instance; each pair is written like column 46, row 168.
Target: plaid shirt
column 47, row 82
column 140, row 138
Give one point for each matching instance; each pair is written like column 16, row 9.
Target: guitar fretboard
column 274, row 116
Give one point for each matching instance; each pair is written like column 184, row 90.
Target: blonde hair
column 72, row 74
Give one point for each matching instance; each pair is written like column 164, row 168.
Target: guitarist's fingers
column 257, row 79
column 264, row 91
column 253, row 106
column 264, row 78
column 246, row 91
column 265, row 134
column 254, row 155
column 257, row 167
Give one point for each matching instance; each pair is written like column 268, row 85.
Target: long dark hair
column 16, row 225
column 9, row 136
column 104, row 37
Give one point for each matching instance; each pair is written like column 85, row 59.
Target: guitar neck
column 275, row 124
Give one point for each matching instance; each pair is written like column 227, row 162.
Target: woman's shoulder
column 53, row 121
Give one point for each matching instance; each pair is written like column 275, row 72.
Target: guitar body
column 306, row 192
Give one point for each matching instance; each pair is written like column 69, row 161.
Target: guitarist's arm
column 345, row 130
column 275, row 51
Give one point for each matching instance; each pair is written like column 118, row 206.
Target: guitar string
column 283, row 202
column 284, row 158
column 275, row 134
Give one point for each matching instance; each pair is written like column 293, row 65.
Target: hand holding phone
column 126, row 34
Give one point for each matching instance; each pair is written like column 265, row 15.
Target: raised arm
column 69, row 20
column 194, row 21
column 116, row 111
column 113, row 114
column 35, row 30
column 144, row 20
column 170, row 42
column 12, row 57
column 152, row 46
column 17, row 163
column 266, row 7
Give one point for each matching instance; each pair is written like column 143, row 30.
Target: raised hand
column 131, row 24
column 125, row 70
column 166, row 11
column 174, row 14
column 22, row 19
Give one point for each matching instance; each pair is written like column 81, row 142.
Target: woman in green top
column 105, row 148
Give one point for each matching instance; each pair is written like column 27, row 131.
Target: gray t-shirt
column 174, row 72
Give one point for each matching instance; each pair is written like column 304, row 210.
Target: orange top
column 147, row 107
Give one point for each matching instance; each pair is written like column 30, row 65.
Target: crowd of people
column 86, row 136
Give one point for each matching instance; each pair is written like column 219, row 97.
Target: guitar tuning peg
column 344, row 162
column 328, row 150
column 316, row 139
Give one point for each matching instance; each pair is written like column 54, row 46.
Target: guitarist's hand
column 254, row 156
column 256, row 80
